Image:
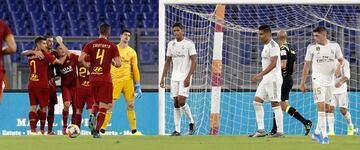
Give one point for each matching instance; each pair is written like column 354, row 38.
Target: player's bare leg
column 65, row 114
column 185, row 107
column 259, row 113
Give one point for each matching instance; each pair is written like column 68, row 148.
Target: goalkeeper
column 123, row 81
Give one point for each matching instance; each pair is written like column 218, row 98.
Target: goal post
column 228, row 50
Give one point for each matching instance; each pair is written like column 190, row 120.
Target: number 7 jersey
column 101, row 52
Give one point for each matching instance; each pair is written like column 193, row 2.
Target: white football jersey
column 180, row 53
column 271, row 49
column 345, row 73
column 323, row 62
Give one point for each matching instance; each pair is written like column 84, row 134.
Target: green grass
column 174, row 143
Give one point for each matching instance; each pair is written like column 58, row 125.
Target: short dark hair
column 47, row 36
column 178, row 25
column 320, row 29
column 265, row 28
column 104, row 29
column 125, row 30
column 39, row 39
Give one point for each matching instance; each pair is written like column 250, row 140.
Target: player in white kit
column 181, row 53
column 340, row 99
column 269, row 88
column 321, row 55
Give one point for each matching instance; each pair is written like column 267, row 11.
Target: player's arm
column 304, row 75
column 192, row 70
column 10, row 41
column 136, row 75
column 60, row 41
column 37, row 54
column 58, row 61
column 116, row 61
column 82, row 60
column 271, row 66
column 346, row 76
column 168, row 62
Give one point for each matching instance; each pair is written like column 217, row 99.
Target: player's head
column 104, row 29
column 178, row 30
column 40, row 43
column 282, row 36
column 265, row 33
column 49, row 41
column 59, row 50
column 320, row 35
column 125, row 36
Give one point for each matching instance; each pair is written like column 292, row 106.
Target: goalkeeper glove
column 138, row 91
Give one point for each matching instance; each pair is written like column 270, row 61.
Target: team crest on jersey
column 318, row 49
column 173, row 44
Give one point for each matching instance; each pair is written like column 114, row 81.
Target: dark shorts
column 39, row 96
column 102, row 92
column 84, row 96
column 286, row 87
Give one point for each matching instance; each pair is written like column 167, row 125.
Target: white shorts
column 340, row 100
column 322, row 93
column 177, row 88
column 269, row 91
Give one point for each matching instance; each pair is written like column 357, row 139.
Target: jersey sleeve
column 347, row 69
column 192, row 49
column 6, row 29
column 168, row 50
column 274, row 49
column 338, row 53
column 134, row 67
column 283, row 53
column 309, row 55
column 48, row 57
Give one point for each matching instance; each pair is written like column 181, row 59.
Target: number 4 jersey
column 101, row 52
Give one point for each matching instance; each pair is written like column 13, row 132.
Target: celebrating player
column 38, row 83
column 181, row 53
column 288, row 63
column 321, row 55
column 102, row 54
column 123, row 80
column 270, row 85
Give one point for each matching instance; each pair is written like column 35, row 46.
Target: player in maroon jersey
column 38, row 85
column 102, row 54
column 68, row 82
column 7, row 36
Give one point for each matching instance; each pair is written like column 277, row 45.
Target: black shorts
column 286, row 88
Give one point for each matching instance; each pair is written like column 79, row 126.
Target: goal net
column 240, row 51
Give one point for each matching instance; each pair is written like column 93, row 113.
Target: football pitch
column 290, row 142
